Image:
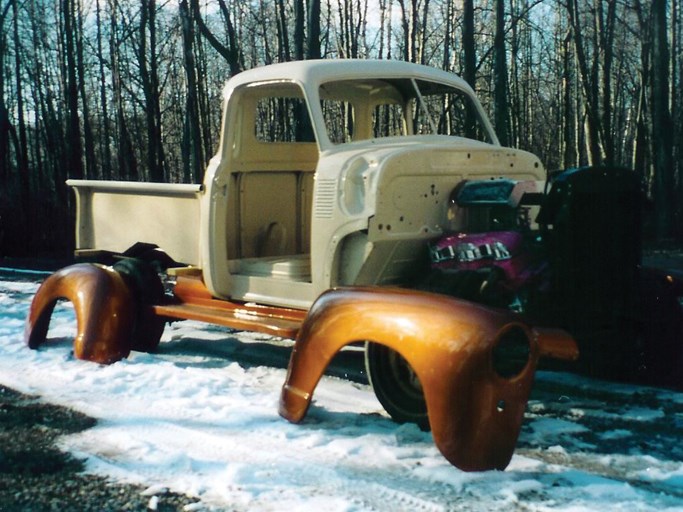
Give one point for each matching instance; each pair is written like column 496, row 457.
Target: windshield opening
column 374, row 108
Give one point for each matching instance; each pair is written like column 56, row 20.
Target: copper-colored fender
column 104, row 311
column 475, row 415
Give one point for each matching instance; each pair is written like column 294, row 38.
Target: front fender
column 474, row 413
column 104, row 311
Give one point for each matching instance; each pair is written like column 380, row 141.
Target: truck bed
column 114, row 215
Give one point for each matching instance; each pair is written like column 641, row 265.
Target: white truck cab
column 328, row 173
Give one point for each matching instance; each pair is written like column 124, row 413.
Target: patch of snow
column 200, row 417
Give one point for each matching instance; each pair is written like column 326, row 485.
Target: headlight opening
column 511, row 353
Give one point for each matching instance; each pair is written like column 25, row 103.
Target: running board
column 237, row 316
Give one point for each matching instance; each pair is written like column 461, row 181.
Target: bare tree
column 6, row 128
column 75, row 147
column 469, row 57
column 409, row 31
column 352, row 16
column 299, row 26
column 676, row 103
column 88, row 137
column 569, row 155
column 105, row 135
column 193, row 162
column 589, row 86
column 284, row 53
column 126, row 160
column 147, row 59
column 642, row 146
column 662, row 127
column 314, row 29
column 500, row 77
column 231, row 52
column 385, row 32
column 605, row 29
column 449, row 13
column 469, row 48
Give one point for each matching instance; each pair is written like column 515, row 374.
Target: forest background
column 131, row 90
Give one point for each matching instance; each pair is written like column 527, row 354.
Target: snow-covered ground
column 200, row 417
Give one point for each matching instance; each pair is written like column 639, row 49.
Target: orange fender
column 474, row 413
column 104, row 311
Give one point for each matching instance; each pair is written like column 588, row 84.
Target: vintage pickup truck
column 315, row 221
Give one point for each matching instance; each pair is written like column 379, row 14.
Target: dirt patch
column 36, row 476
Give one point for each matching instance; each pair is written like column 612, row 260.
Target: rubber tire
column 396, row 385
column 147, row 289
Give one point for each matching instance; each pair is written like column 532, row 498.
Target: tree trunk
column 568, row 101
column 606, row 34
column 387, row 17
column 5, row 123
column 314, row 29
column 405, row 24
column 348, row 30
column 299, row 24
column 641, row 140
column 676, row 111
column 75, row 148
column 589, row 86
column 127, row 164
column 193, row 156
column 662, row 127
column 500, row 102
column 424, row 32
column 470, row 58
column 231, row 52
column 88, row 137
column 446, row 61
column 105, row 135
column 284, row 54
column 25, row 213
column 150, row 83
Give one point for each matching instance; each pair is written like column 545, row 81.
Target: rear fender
column 475, row 414
column 104, row 311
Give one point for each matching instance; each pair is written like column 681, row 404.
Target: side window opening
column 339, row 120
column 283, row 119
column 388, row 120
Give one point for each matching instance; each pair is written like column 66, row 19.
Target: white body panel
column 113, row 216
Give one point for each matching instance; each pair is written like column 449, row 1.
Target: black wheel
column 396, row 385
column 143, row 281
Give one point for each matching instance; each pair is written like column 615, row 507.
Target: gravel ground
column 36, row 476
